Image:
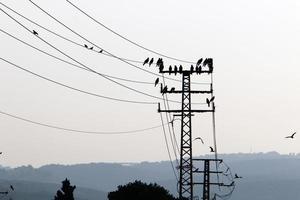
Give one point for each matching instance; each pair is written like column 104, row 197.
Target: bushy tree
column 140, row 191
column 66, row 191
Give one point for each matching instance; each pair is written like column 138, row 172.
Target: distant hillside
column 265, row 176
column 26, row 190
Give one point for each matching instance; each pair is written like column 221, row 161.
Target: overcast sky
column 255, row 46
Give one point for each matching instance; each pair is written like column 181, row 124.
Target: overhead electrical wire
column 167, row 147
column 80, row 131
column 125, row 38
column 60, row 36
column 69, row 63
column 60, row 51
column 72, row 88
column 112, row 55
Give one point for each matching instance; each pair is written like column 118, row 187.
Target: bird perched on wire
column 164, row 90
column 172, row 89
column 159, row 62
column 180, row 69
column 151, row 62
column 86, row 46
column 34, row 32
column 208, row 101
column 192, row 68
column 237, row 177
column 175, row 70
column 170, row 69
column 146, row 61
column 199, row 138
column 211, row 149
column 291, row 136
column 91, row 48
column 101, row 51
column 12, row 188
column 156, row 82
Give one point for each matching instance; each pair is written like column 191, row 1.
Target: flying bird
column 211, row 149
column 156, row 82
column 236, row 176
column 12, row 188
column 151, row 62
column 34, row 32
column 146, row 61
column 199, row 138
column 291, row 136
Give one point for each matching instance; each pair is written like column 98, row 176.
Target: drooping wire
column 60, row 36
column 214, row 129
column 72, row 88
column 80, row 131
column 107, row 78
column 170, row 132
column 125, row 38
column 69, row 63
column 167, row 147
column 167, row 106
column 84, row 38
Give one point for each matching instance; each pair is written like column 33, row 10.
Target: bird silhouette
column 291, row 136
column 159, row 62
column 199, row 62
column 164, row 90
column 199, row 138
column 192, row 68
column 208, row 101
column 156, row 82
column 12, row 188
column 175, row 70
column 86, row 46
column 151, row 62
column 180, row 69
column 211, row 149
column 172, row 89
column 170, row 69
column 161, row 67
column 146, row 61
column 34, row 32
column 237, row 177
column 101, row 51
column 91, row 48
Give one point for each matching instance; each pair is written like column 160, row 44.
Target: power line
column 168, row 149
column 69, row 63
column 79, row 35
column 125, row 38
column 107, row 78
column 80, row 131
column 59, row 35
column 72, row 88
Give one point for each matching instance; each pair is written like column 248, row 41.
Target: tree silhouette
column 138, row 190
column 66, row 191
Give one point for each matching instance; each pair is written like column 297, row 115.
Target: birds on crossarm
column 211, row 149
column 199, row 138
column 291, row 136
column 151, row 62
column 180, row 69
column 34, row 32
column 156, row 82
column 146, row 61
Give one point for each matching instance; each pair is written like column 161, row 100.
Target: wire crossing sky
column 255, row 47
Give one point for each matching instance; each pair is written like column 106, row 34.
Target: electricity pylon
column 186, row 112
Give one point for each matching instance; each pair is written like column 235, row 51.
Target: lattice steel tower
column 186, row 112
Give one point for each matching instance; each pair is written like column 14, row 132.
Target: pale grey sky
column 255, row 46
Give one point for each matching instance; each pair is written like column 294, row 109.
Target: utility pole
column 206, row 183
column 186, row 112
